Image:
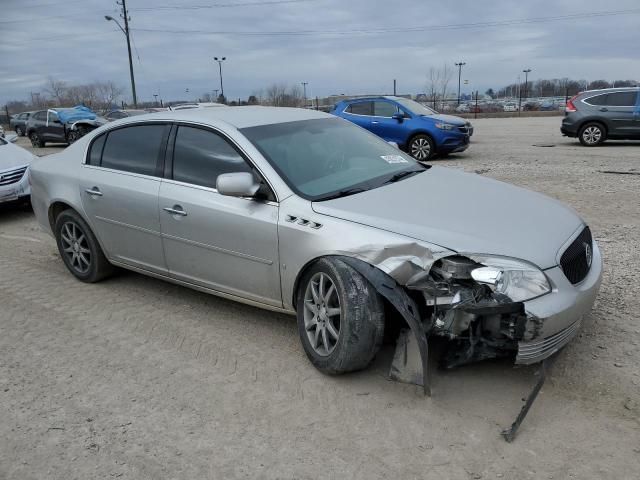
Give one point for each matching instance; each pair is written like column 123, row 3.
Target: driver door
column 224, row 243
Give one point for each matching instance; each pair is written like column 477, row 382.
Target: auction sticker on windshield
column 394, row 159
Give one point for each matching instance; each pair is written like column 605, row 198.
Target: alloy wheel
column 420, row 148
column 592, row 135
column 322, row 314
column 35, row 141
column 75, row 247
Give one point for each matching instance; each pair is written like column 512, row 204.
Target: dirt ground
column 135, row 378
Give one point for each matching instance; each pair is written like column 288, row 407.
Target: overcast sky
column 338, row 46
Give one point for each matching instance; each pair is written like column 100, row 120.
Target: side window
column 52, row 117
column 361, row 108
column 95, row 154
column 199, row 156
column 597, row 100
column 134, row 149
column 384, row 109
column 622, row 99
column 42, row 116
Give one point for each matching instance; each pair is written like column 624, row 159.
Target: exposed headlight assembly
column 445, row 126
column 518, row 280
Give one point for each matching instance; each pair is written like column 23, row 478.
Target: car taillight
column 570, row 105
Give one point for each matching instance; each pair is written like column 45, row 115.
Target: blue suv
column 417, row 129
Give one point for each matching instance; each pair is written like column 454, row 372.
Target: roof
column 239, row 117
column 613, row 89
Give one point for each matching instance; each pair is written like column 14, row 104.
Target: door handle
column 176, row 210
column 375, row 122
column 604, row 109
column 94, row 192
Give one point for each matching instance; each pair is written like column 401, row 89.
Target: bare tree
column 438, row 84
column 57, row 89
column 281, row 95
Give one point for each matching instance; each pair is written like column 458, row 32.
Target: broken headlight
column 518, row 280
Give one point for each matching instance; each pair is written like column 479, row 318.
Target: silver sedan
column 302, row 212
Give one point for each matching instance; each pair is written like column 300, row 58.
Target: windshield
column 415, row 107
column 329, row 157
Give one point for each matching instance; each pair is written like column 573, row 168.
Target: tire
column 422, row 148
column 592, row 134
column 73, row 136
column 79, row 249
column 36, row 141
column 19, row 131
column 352, row 311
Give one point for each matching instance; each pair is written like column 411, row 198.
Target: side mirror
column 239, row 184
column 398, row 116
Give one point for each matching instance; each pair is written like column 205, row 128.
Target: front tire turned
column 340, row 317
column 79, row 248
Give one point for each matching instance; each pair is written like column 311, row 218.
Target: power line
column 217, row 5
column 421, row 28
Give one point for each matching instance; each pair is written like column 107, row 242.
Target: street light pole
column 220, row 60
column 125, row 30
column 304, row 92
column 459, row 65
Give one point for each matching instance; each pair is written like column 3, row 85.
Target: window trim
column 160, row 160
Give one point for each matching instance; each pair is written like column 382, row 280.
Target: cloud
column 72, row 41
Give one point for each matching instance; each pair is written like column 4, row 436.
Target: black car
column 598, row 115
column 45, row 126
column 18, row 122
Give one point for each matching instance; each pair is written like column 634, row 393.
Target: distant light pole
column 304, row 94
column 155, row 95
column 459, row 65
column 526, row 82
column 125, row 30
column 220, row 60
column 215, row 93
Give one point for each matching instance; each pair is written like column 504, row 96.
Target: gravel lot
column 140, row 379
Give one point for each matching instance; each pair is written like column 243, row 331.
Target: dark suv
column 63, row 125
column 598, row 115
column 19, row 122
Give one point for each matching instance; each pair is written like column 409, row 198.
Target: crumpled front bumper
column 554, row 319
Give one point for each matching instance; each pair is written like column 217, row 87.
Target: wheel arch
column 597, row 120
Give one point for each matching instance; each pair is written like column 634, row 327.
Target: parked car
column 598, row 115
column 19, row 121
column 510, row 107
column 548, row 106
column 14, row 175
column 1, row 131
column 124, row 113
column 415, row 128
column 301, row 212
column 61, row 125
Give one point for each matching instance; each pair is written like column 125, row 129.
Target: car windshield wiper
column 401, row 175
column 341, row 193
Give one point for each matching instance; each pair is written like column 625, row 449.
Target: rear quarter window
column 95, row 151
column 597, row 100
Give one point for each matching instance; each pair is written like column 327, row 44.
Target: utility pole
column 155, row 96
column 220, row 60
column 394, row 86
column 125, row 30
column 526, row 82
column 304, row 93
column 459, row 65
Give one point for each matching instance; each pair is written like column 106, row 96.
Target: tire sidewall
column 361, row 318
column 92, row 273
column 19, row 131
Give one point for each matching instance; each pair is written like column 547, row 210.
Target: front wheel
column 19, row 131
column 421, row 148
column 592, row 134
column 340, row 317
column 72, row 136
column 79, row 249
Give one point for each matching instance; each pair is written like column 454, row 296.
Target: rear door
column 359, row 113
column 224, row 243
column 119, row 189
column 621, row 106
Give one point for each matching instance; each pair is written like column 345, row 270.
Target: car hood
column 452, row 119
column 464, row 212
column 12, row 156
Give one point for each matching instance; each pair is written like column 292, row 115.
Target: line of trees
column 559, row 87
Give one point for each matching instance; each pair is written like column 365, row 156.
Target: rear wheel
column 79, row 249
column 422, row 148
column 340, row 317
column 592, row 134
column 36, row 141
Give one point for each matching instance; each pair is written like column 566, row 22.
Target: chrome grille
column 529, row 352
column 576, row 259
column 13, row 176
